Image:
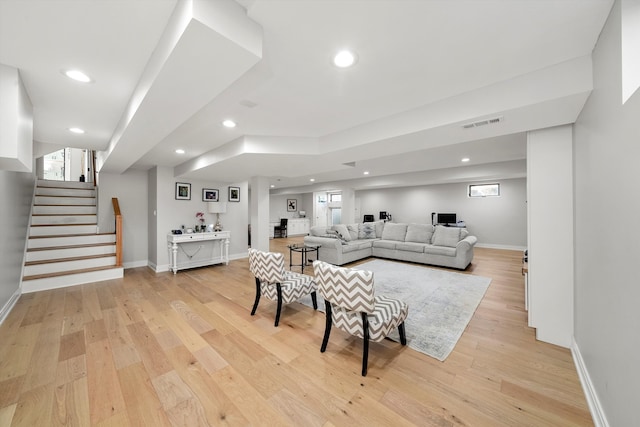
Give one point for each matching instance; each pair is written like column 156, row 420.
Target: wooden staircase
column 64, row 247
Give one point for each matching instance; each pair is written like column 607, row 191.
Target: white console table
column 197, row 249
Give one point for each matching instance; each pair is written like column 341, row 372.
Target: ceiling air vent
column 483, row 122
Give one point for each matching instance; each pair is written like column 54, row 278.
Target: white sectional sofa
column 421, row 243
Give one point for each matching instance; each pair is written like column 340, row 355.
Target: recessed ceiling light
column 366, row 172
column 466, row 159
column 312, row 179
column 77, row 75
column 180, row 151
column 344, row 59
column 272, row 186
column 229, row 124
column 76, row 130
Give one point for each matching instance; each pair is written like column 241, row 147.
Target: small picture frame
column 210, row 195
column 234, row 194
column 183, row 191
column 292, row 205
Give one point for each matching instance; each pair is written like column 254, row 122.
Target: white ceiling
column 167, row 73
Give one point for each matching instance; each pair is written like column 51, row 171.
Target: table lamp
column 217, row 208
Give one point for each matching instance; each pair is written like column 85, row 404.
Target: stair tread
column 75, row 196
column 65, row 224
column 75, row 258
column 64, row 214
column 53, row 248
column 69, row 272
column 52, row 236
column 48, row 204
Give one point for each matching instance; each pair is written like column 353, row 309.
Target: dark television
column 446, row 218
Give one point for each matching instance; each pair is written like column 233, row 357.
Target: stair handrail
column 118, row 216
column 93, row 168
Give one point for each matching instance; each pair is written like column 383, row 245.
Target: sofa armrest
column 467, row 243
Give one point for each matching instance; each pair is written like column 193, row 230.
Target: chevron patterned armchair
column 273, row 282
column 351, row 304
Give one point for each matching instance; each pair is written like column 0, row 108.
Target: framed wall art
column 183, row 191
column 234, row 194
column 210, row 195
column 292, row 205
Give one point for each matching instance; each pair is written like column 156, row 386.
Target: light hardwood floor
column 158, row 349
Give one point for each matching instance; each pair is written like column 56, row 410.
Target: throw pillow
column 446, row 236
column 419, row 233
column 394, row 231
column 343, row 231
column 353, row 231
column 367, row 230
column 379, row 227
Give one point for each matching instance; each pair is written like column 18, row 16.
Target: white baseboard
column 134, row 264
column 9, row 305
column 597, row 412
column 506, row 247
column 158, row 268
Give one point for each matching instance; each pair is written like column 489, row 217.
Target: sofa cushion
column 446, row 236
column 318, row 230
column 343, row 231
column 385, row 244
column 353, row 231
column 410, row 247
column 419, row 233
column 439, row 250
column 367, row 230
column 356, row 245
column 394, row 231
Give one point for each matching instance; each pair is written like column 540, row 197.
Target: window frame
column 471, row 186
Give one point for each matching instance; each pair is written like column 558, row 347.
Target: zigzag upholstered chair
column 275, row 283
column 351, row 304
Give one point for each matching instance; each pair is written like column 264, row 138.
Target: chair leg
column 279, row 288
column 365, row 346
column 403, row 336
column 314, row 299
column 255, row 304
column 327, row 326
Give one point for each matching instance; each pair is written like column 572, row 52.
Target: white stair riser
column 71, row 240
column 55, row 267
column 74, row 192
column 55, row 230
column 46, row 283
column 53, row 200
column 70, row 252
column 66, row 184
column 69, row 210
column 67, row 219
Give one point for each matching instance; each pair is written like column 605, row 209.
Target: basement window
column 484, row 190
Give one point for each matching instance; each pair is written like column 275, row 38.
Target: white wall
column 16, row 195
column 495, row 221
column 550, row 234
column 131, row 188
column 607, row 288
column 172, row 214
column 278, row 205
column 16, row 122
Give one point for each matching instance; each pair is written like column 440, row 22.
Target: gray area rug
column 441, row 303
